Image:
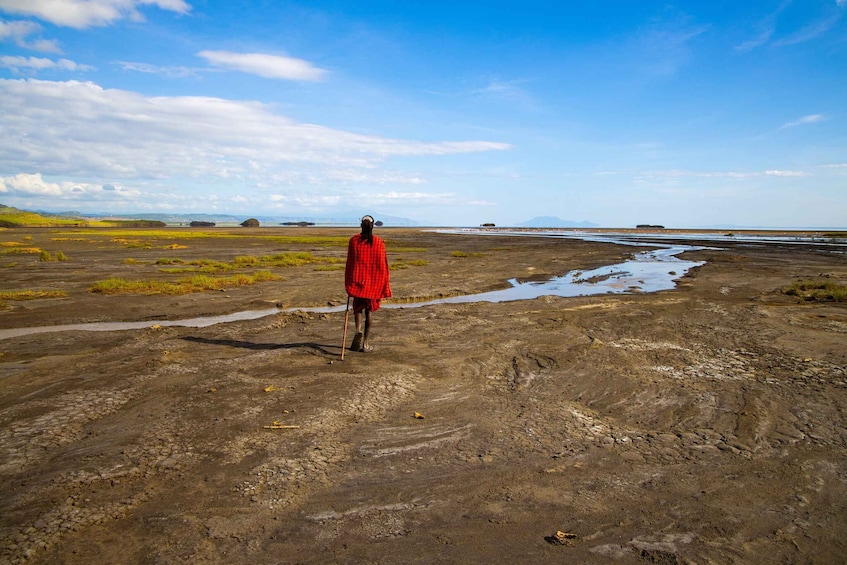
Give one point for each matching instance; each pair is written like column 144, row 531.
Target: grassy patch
column 14, row 218
column 188, row 285
column 30, row 295
column 466, row 254
column 187, row 233
column 23, row 250
column 290, row 259
column 394, row 249
column 246, row 261
column 397, row 265
column 44, row 256
column 817, row 290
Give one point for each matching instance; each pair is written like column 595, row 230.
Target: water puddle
column 647, row 271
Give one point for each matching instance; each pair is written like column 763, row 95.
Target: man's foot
column 357, row 342
column 367, row 347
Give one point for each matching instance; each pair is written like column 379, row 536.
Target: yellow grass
column 23, row 250
column 817, row 290
column 188, row 285
column 30, row 295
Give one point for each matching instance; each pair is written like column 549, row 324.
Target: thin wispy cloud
column 810, row 32
column 777, row 173
column 81, row 14
column 664, row 47
column 758, row 41
column 766, row 28
column 672, row 174
column 19, row 64
column 810, row 119
column 167, row 71
column 264, row 65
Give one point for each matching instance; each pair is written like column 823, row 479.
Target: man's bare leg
column 367, row 328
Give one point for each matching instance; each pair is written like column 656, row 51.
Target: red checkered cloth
column 366, row 275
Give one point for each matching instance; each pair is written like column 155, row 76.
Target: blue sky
column 449, row 113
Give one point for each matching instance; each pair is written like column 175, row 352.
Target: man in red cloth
column 366, row 279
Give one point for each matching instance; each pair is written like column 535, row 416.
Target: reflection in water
column 649, row 271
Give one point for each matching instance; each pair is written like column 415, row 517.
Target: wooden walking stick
column 344, row 336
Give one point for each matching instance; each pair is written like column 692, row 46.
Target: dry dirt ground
column 704, row 424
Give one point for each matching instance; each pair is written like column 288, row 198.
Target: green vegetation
column 466, row 254
column 29, row 295
column 400, row 264
column 405, row 249
column 14, row 218
column 817, row 290
column 187, row 233
column 44, row 256
column 135, row 223
column 197, row 283
column 329, row 268
column 61, row 256
column 836, row 234
column 23, row 250
column 283, row 260
column 246, row 261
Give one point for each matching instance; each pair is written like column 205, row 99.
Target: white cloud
column 810, row 119
column 20, row 31
column 313, row 201
column 663, row 47
column 80, row 130
column 672, row 174
column 40, row 64
column 174, row 72
column 81, row 14
column 786, row 173
column 810, row 32
column 27, row 184
column 757, row 41
column 394, row 197
column 264, row 65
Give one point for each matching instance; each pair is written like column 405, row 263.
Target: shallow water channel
column 647, row 271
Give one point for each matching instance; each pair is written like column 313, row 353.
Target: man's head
column 367, row 221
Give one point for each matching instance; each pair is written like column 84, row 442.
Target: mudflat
column 704, row 424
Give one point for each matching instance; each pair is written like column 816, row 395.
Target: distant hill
column 13, row 217
column 231, row 219
column 554, row 222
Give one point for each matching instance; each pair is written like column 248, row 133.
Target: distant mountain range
column 350, row 218
column 554, row 222
column 347, row 220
